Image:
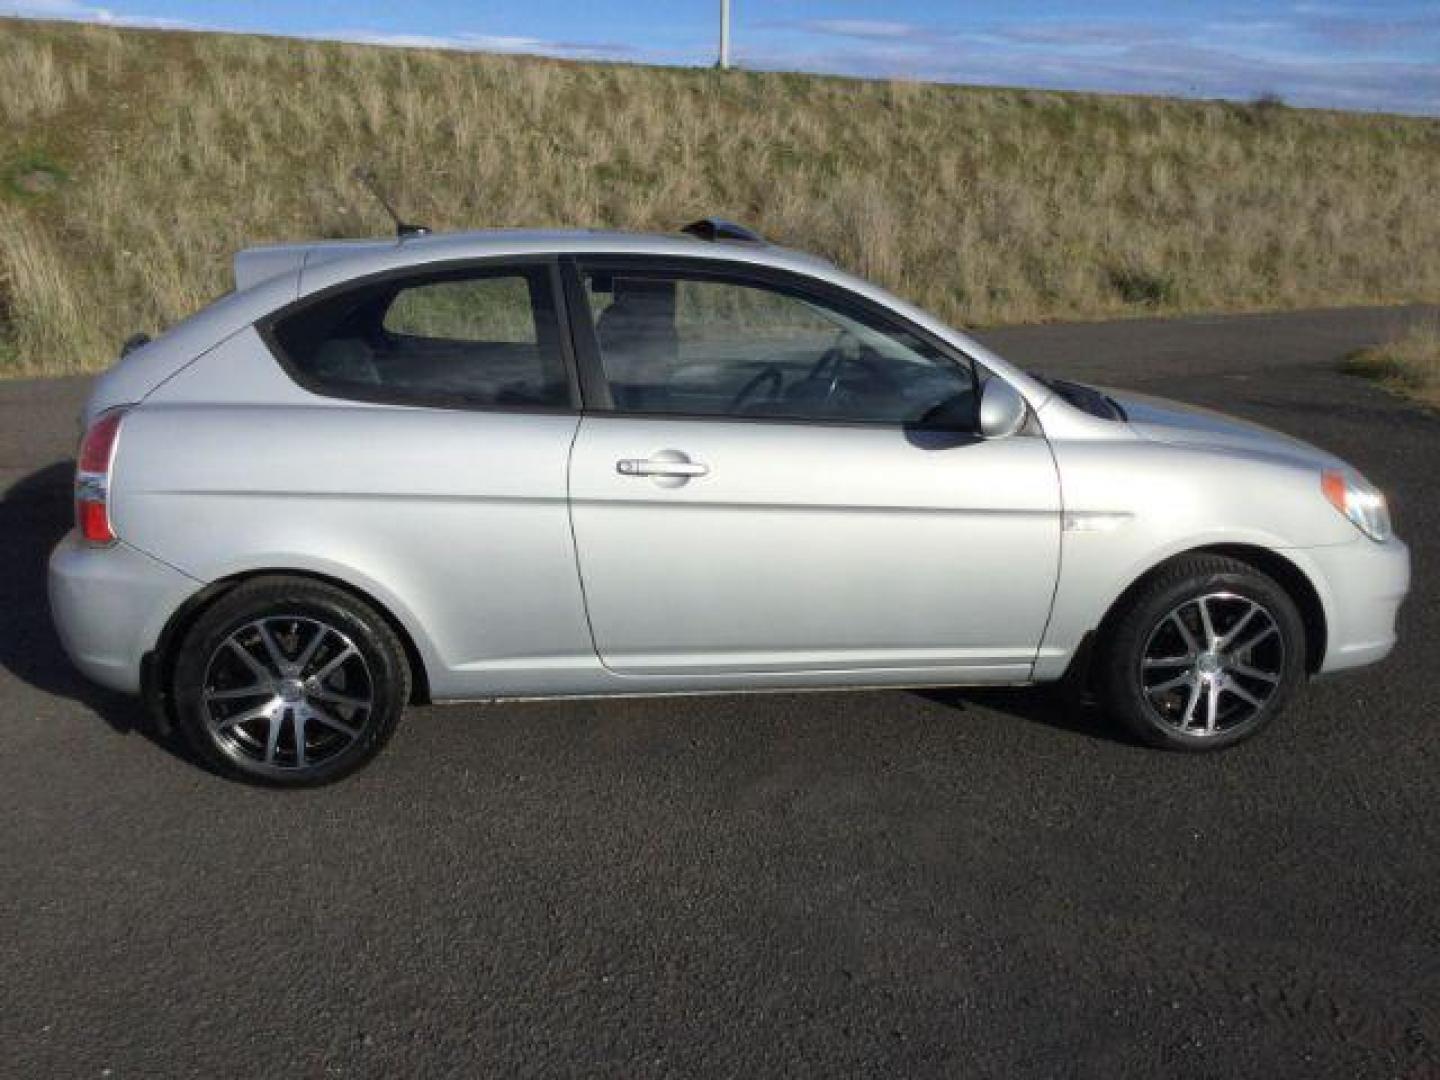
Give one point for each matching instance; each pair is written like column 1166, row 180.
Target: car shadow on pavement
column 35, row 513
column 1056, row 706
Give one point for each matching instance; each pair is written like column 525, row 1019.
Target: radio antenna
column 403, row 229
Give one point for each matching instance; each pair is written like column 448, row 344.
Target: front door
column 788, row 480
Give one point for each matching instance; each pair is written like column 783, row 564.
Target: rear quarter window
column 485, row 338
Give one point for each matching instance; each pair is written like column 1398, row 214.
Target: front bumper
column 110, row 605
column 1365, row 583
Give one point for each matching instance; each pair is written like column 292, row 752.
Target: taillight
column 92, row 478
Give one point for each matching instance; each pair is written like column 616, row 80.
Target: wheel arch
column 1284, row 572
column 158, row 665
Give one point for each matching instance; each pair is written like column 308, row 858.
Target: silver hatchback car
column 519, row 464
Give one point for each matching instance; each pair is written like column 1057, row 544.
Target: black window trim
column 596, row 388
column 485, row 266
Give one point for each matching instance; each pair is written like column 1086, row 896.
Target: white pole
column 724, row 33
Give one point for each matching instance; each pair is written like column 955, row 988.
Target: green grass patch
column 9, row 358
column 1145, row 288
column 32, row 175
column 1408, row 365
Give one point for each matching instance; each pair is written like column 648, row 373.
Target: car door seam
column 575, row 538
column 1059, row 555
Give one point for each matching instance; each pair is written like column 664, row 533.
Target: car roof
column 608, row 241
column 328, row 262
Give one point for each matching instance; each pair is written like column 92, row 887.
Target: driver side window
column 705, row 345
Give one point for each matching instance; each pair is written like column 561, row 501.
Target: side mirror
column 1002, row 410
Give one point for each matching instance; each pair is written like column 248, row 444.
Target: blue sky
column 1384, row 54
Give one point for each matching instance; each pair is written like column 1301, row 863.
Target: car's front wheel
column 1203, row 655
column 289, row 681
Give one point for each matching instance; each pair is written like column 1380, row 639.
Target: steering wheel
column 831, row 363
column 771, row 374
column 847, row 351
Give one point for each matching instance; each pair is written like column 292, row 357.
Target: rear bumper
column 110, row 605
column 1366, row 583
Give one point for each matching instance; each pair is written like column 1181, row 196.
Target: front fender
column 1131, row 507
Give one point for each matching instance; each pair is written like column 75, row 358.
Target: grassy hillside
column 132, row 164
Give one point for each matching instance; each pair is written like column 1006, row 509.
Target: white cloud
column 862, row 28
column 56, row 9
column 493, row 43
column 75, row 11
column 470, row 42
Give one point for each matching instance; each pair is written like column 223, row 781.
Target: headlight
column 1359, row 500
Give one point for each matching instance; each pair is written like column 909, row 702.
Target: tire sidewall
column 365, row 631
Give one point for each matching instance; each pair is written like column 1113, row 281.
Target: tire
column 1203, row 655
column 311, row 704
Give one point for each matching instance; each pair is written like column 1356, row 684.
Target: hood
column 1166, row 421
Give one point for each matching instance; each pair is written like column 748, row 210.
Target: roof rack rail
column 713, row 229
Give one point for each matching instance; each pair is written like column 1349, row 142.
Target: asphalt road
column 868, row 884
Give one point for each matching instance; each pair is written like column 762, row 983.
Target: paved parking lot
column 805, row 884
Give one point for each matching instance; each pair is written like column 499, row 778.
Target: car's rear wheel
column 1205, row 654
column 289, row 681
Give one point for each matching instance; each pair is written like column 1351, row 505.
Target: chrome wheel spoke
column 1191, row 645
column 325, row 717
column 1171, row 684
column 321, row 693
column 297, row 720
column 256, row 668
column 1240, row 650
column 1243, row 694
column 240, row 692
column 1210, row 636
column 308, row 653
column 1234, row 631
column 1240, row 668
column 245, row 717
column 1170, row 661
column 333, row 665
column 272, row 649
column 1190, row 704
column 272, row 737
column 1212, row 707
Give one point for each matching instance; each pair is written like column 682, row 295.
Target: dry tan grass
column 1409, row 365
column 47, row 330
column 985, row 206
column 36, row 85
